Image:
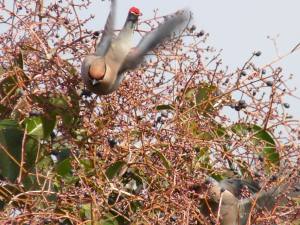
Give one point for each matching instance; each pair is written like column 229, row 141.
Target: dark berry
column 96, row 33
column 274, row 177
column 197, row 149
column 114, row 141
column 218, row 93
column 140, row 117
column 105, row 207
column 87, row 194
column 254, row 93
column 244, row 106
column 121, row 197
column 256, row 174
column 241, row 102
column 263, row 71
column 237, row 108
column 111, row 200
column 21, row 92
column 232, row 168
column 201, row 33
column 127, row 173
column 52, row 135
column 34, row 113
column 110, row 140
column 57, row 36
column 78, row 207
column 158, row 119
column 85, row 218
column 86, row 93
column 208, row 180
column 243, row 73
column 297, row 188
column 254, row 68
column 54, row 152
column 270, row 83
column 66, row 21
column 286, row 105
column 227, row 80
column 140, row 203
column 223, row 189
column 163, row 114
column 232, row 105
column 193, row 27
column 99, row 154
column 258, row 53
column 261, row 158
column 173, row 218
column 47, row 221
column 62, row 180
column 72, row 171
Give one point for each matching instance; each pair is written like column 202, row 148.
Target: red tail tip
column 134, row 10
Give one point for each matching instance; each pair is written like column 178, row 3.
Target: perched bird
column 234, row 209
column 103, row 71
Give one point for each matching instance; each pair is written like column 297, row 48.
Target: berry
column 261, row 158
column 72, row 171
column 241, row 102
column 201, row 33
column 127, row 173
column 237, row 108
column 173, row 218
column 256, row 174
column 158, row 119
column 86, row 93
column 111, row 200
column 193, row 27
column 54, row 152
column 47, row 221
column 263, row 71
column 34, row 113
column 52, row 135
column 218, row 93
column 163, row 114
column 286, row 105
column 270, row 83
column 232, row 105
column 78, row 207
column 21, row 92
column 254, row 93
column 258, row 53
column 223, row 189
column 274, row 177
column 254, row 68
column 208, row 180
column 232, row 168
column 62, row 180
column 227, row 80
column 244, row 106
column 121, row 197
column 140, row 117
column 99, row 154
column 140, row 203
column 243, row 73
column 87, row 194
column 297, row 188
column 197, row 149
column 66, row 21
column 85, row 218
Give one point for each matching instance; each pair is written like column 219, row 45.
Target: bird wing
column 108, row 33
column 150, row 41
column 235, row 186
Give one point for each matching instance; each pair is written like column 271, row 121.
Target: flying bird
column 103, row 71
column 234, row 209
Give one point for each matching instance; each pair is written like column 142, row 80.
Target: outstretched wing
column 108, row 33
column 151, row 40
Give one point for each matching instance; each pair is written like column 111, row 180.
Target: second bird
column 103, row 70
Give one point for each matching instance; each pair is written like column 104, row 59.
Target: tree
column 131, row 157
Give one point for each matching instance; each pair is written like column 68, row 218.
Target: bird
column 234, row 209
column 103, row 71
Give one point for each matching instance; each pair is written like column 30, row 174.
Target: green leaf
column 34, row 127
column 163, row 107
column 165, row 162
column 114, row 169
column 48, row 123
column 20, row 61
column 64, row 168
column 11, row 136
column 109, row 219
